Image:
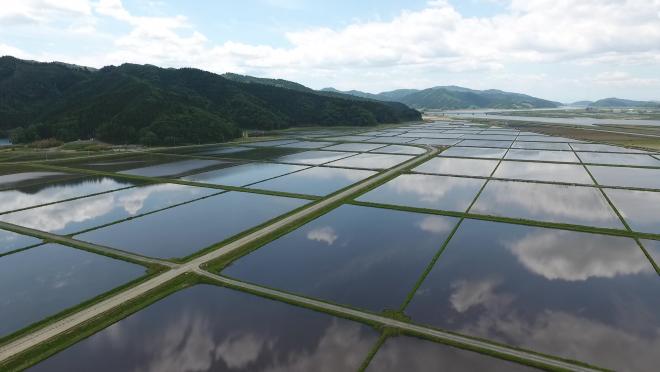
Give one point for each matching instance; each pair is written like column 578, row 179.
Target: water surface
column 548, row 172
column 405, row 353
column 427, row 191
column 484, row 143
column 314, row 157
column 30, row 196
column 42, row 281
column 359, row 147
column 602, row 148
column 638, row 208
column 245, row 174
column 371, row 161
column 541, row 145
column 619, row 159
column 363, row 257
column 552, row 291
column 11, row 241
column 183, row 230
column 400, row 149
column 579, row 205
column 208, row 328
column 626, row 177
column 80, row 214
column 542, row 155
column 475, row 152
column 457, row 166
column 319, row 181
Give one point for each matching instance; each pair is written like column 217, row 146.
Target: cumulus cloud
column 325, row 234
column 404, row 50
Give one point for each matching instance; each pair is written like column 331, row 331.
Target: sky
column 563, row 50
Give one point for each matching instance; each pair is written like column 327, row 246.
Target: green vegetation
column 453, row 97
column 155, row 106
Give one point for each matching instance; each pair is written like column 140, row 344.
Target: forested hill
column 152, row 105
column 453, row 97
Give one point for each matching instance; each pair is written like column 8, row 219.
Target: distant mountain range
column 453, row 98
column 616, row 103
column 152, row 105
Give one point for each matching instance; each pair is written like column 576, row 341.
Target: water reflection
column 550, row 172
column 542, row 155
column 400, row 149
column 404, row 353
column 653, row 248
column 44, row 280
column 545, row 202
column 461, row 167
column 364, row 257
column 314, row 157
column 354, row 147
column 576, row 295
column 475, row 152
column 427, row 191
column 79, row 214
column 315, row 181
column 245, row 174
column 175, row 168
column 371, row 161
column 638, row 208
column 30, row 196
column 16, row 179
column 208, row 328
column 185, row 229
column 10, row 241
column 626, row 177
column 619, row 159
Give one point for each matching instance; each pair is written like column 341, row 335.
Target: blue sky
column 556, row 49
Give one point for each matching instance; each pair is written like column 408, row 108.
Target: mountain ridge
column 151, row 105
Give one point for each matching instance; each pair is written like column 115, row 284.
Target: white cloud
column 325, row 234
column 409, row 50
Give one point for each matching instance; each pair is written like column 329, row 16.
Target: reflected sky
column 175, row 168
column 355, row 147
column 541, row 145
column 542, row 155
column 619, row 159
column 578, row 205
column 475, row 152
column 404, row 353
column 30, row 196
column 485, row 143
column 16, row 179
column 364, row 257
column 245, row 174
column 371, row 161
column 436, row 141
column 571, row 294
column 307, row 145
column 549, row 172
column 384, row 139
column 400, row 149
column 653, row 248
column 270, row 143
column 45, row 280
column 183, row 230
column 222, row 150
column 208, row 328
column 456, row 166
column 638, row 208
column 11, row 241
column 315, row 181
column 80, row 214
column 427, row 191
column 313, row 157
column 626, row 177
column 601, row 147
